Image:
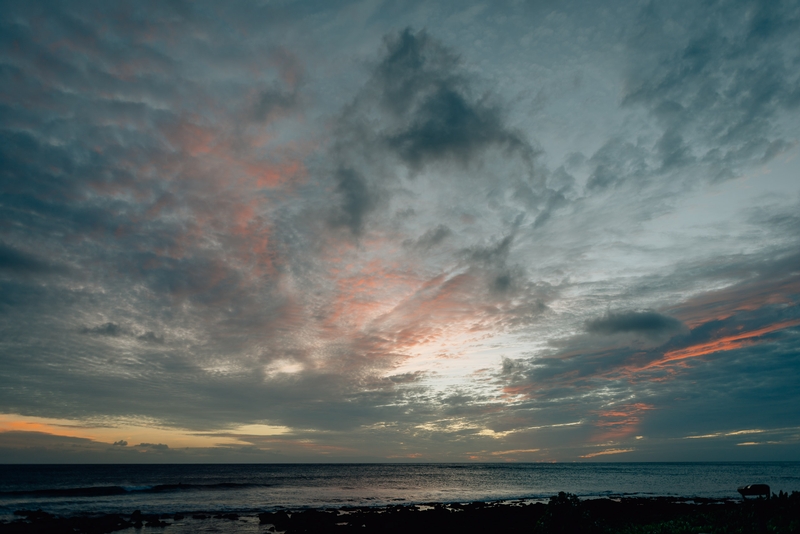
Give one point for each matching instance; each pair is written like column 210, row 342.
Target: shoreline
column 562, row 513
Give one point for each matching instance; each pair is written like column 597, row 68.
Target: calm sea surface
column 247, row 489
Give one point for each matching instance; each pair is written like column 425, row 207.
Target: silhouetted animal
column 754, row 489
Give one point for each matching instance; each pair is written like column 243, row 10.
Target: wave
column 108, row 491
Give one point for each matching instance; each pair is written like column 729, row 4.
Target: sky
column 399, row 231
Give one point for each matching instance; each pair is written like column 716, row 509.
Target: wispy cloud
column 606, row 452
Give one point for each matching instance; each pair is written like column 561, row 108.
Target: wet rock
column 47, row 523
column 33, row 515
column 280, row 519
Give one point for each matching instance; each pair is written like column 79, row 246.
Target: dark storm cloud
column 447, row 126
column 646, row 322
column 426, row 111
column 422, row 84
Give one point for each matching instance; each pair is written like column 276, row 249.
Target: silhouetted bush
column 565, row 514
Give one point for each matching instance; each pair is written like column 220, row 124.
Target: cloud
column 157, row 447
column 724, row 343
column 284, row 96
column 15, row 261
column 114, row 330
column 535, row 230
column 618, row 161
column 107, row 329
column 606, row 452
column 718, row 84
column 760, row 284
column 646, row 322
column 421, row 82
column 733, row 341
column 356, row 201
column 150, row 337
column 272, row 102
column 430, row 238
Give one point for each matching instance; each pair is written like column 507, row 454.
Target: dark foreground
column 564, row 513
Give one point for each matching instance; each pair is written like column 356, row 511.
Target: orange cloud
column 265, row 442
column 746, row 296
column 515, row 451
column 607, row 451
column 412, row 455
column 269, row 174
column 730, row 342
column 105, row 433
column 365, row 291
column 621, row 421
column 509, row 392
column 29, row 426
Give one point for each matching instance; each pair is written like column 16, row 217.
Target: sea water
column 248, row 489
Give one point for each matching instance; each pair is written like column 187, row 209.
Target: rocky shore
column 564, row 513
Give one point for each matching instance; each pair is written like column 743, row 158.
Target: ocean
column 248, row 489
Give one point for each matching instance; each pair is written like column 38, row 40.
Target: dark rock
column 280, row 519
column 564, row 513
column 33, row 515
